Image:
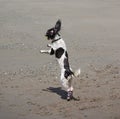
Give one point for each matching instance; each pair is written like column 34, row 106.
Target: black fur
column 66, row 54
column 66, row 64
column 67, row 73
column 59, row 52
column 52, row 32
column 58, row 26
column 52, row 51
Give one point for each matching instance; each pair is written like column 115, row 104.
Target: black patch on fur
column 58, row 26
column 59, row 52
column 68, row 73
column 51, row 33
column 66, row 64
column 52, row 51
column 66, row 54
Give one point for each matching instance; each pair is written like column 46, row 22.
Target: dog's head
column 51, row 33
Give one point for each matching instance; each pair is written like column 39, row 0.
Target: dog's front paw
column 42, row 51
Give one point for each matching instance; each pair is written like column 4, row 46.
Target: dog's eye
column 52, row 31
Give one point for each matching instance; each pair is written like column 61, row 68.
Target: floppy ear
column 58, row 26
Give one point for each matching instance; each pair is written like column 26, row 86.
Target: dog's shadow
column 62, row 93
column 59, row 91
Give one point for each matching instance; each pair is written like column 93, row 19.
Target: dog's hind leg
column 67, row 84
column 70, row 90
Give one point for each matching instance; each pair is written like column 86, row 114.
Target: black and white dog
column 58, row 48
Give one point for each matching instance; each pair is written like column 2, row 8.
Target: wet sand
column 29, row 81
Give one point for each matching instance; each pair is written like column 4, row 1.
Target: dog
column 58, row 48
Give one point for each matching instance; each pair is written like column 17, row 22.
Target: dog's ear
column 58, row 26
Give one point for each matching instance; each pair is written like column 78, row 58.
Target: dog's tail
column 77, row 72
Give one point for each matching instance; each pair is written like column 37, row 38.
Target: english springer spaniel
column 58, row 48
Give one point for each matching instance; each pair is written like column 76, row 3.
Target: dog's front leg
column 45, row 51
column 50, row 51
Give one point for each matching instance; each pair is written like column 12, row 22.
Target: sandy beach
column 29, row 81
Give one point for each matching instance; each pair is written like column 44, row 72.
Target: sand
column 29, row 81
